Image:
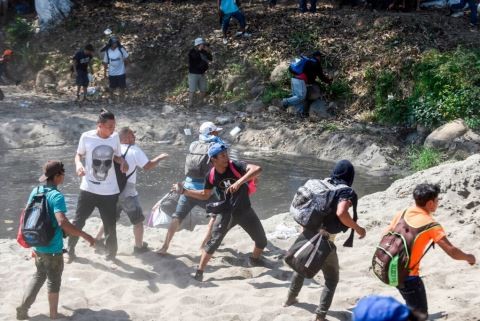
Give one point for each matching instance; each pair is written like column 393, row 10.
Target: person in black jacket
column 313, row 70
column 198, row 60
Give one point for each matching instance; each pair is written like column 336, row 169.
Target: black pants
column 107, row 206
column 246, row 218
column 414, row 293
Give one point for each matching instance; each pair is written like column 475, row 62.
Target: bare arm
column 253, row 171
column 344, row 217
column 454, row 252
column 154, row 162
column 70, row 229
column 202, row 195
column 122, row 162
column 78, row 165
column 105, row 69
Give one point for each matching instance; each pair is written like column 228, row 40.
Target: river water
column 282, row 175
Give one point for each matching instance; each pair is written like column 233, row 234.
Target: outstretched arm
column 154, row 161
column 454, row 252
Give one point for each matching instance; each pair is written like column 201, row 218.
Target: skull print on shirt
column 102, row 160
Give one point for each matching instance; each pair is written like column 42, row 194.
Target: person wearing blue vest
column 49, row 259
column 228, row 9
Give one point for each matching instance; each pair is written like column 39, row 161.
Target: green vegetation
column 446, row 86
column 18, row 31
column 273, row 92
column 421, row 158
column 339, row 89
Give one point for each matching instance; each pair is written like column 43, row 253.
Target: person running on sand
column 230, row 178
column 426, row 203
column 82, row 63
column 196, row 167
column 128, row 198
column 343, row 173
column 49, row 259
column 99, row 188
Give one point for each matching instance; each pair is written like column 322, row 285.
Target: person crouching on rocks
column 233, row 180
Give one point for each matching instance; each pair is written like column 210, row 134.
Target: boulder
column 255, row 107
column 443, row 137
column 222, row 120
column 231, row 82
column 233, row 107
column 274, row 109
column 277, row 75
column 45, row 79
column 257, row 90
column 319, row 109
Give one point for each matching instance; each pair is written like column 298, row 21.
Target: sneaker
column 198, row 275
column 239, row 34
column 246, row 35
column 22, row 314
column 255, row 262
column 456, row 14
column 225, row 41
column 140, row 250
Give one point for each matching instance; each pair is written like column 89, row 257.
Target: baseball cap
column 8, row 52
column 215, row 149
column 380, row 308
column 207, row 127
column 50, row 169
column 198, row 41
column 113, row 40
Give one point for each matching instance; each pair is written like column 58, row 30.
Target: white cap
column 208, row 127
column 198, row 41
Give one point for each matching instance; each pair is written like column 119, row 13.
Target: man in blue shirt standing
column 228, row 9
column 49, row 259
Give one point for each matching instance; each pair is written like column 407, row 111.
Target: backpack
column 107, row 46
column 196, row 163
column 391, row 260
column 313, row 202
column 252, row 184
column 36, row 226
column 297, row 65
column 122, row 178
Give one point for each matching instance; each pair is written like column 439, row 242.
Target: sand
column 150, row 287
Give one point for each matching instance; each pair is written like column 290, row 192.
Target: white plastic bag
column 159, row 218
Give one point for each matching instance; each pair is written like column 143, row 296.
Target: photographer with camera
column 198, row 59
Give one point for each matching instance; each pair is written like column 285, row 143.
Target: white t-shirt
column 100, row 175
column 135, row 158
column 115, row 61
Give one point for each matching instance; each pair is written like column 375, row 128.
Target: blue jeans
column 303, row 6
column 472, row 4
column 226, row 20
column 299, row 93
column 414, row 294
column 186, row 204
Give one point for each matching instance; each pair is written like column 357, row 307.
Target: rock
column 319, row 109
column 231, row 82
column 257, row 90
column 45, row 80
column 168, row 109
column 278, row 73
column 255, row 107
column 222, row 120
column 233, row 107
column 443, row 136
column 274, row 109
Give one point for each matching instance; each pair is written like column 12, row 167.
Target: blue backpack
column 298, row 64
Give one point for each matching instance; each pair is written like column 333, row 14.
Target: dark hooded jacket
column 343, row 173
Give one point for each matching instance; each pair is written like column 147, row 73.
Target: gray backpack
column 314, row 201
column 196, row 164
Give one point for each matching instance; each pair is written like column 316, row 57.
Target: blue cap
column 215, row 149
column 380, row 308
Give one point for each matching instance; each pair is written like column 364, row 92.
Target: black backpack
column 196, row 163
column 122, row 178
column 37, row 227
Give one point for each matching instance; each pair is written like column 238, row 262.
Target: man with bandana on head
column 343, row 173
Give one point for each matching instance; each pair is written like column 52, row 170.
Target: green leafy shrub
column 422, row 158
column 339, row 89
column 19, row 30
column 273, row 92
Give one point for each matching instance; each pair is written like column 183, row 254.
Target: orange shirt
column 418, row 217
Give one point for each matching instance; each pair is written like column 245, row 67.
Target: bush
column 422, row 158
column 18, row 31
column 273, row 92
column 339, row 89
